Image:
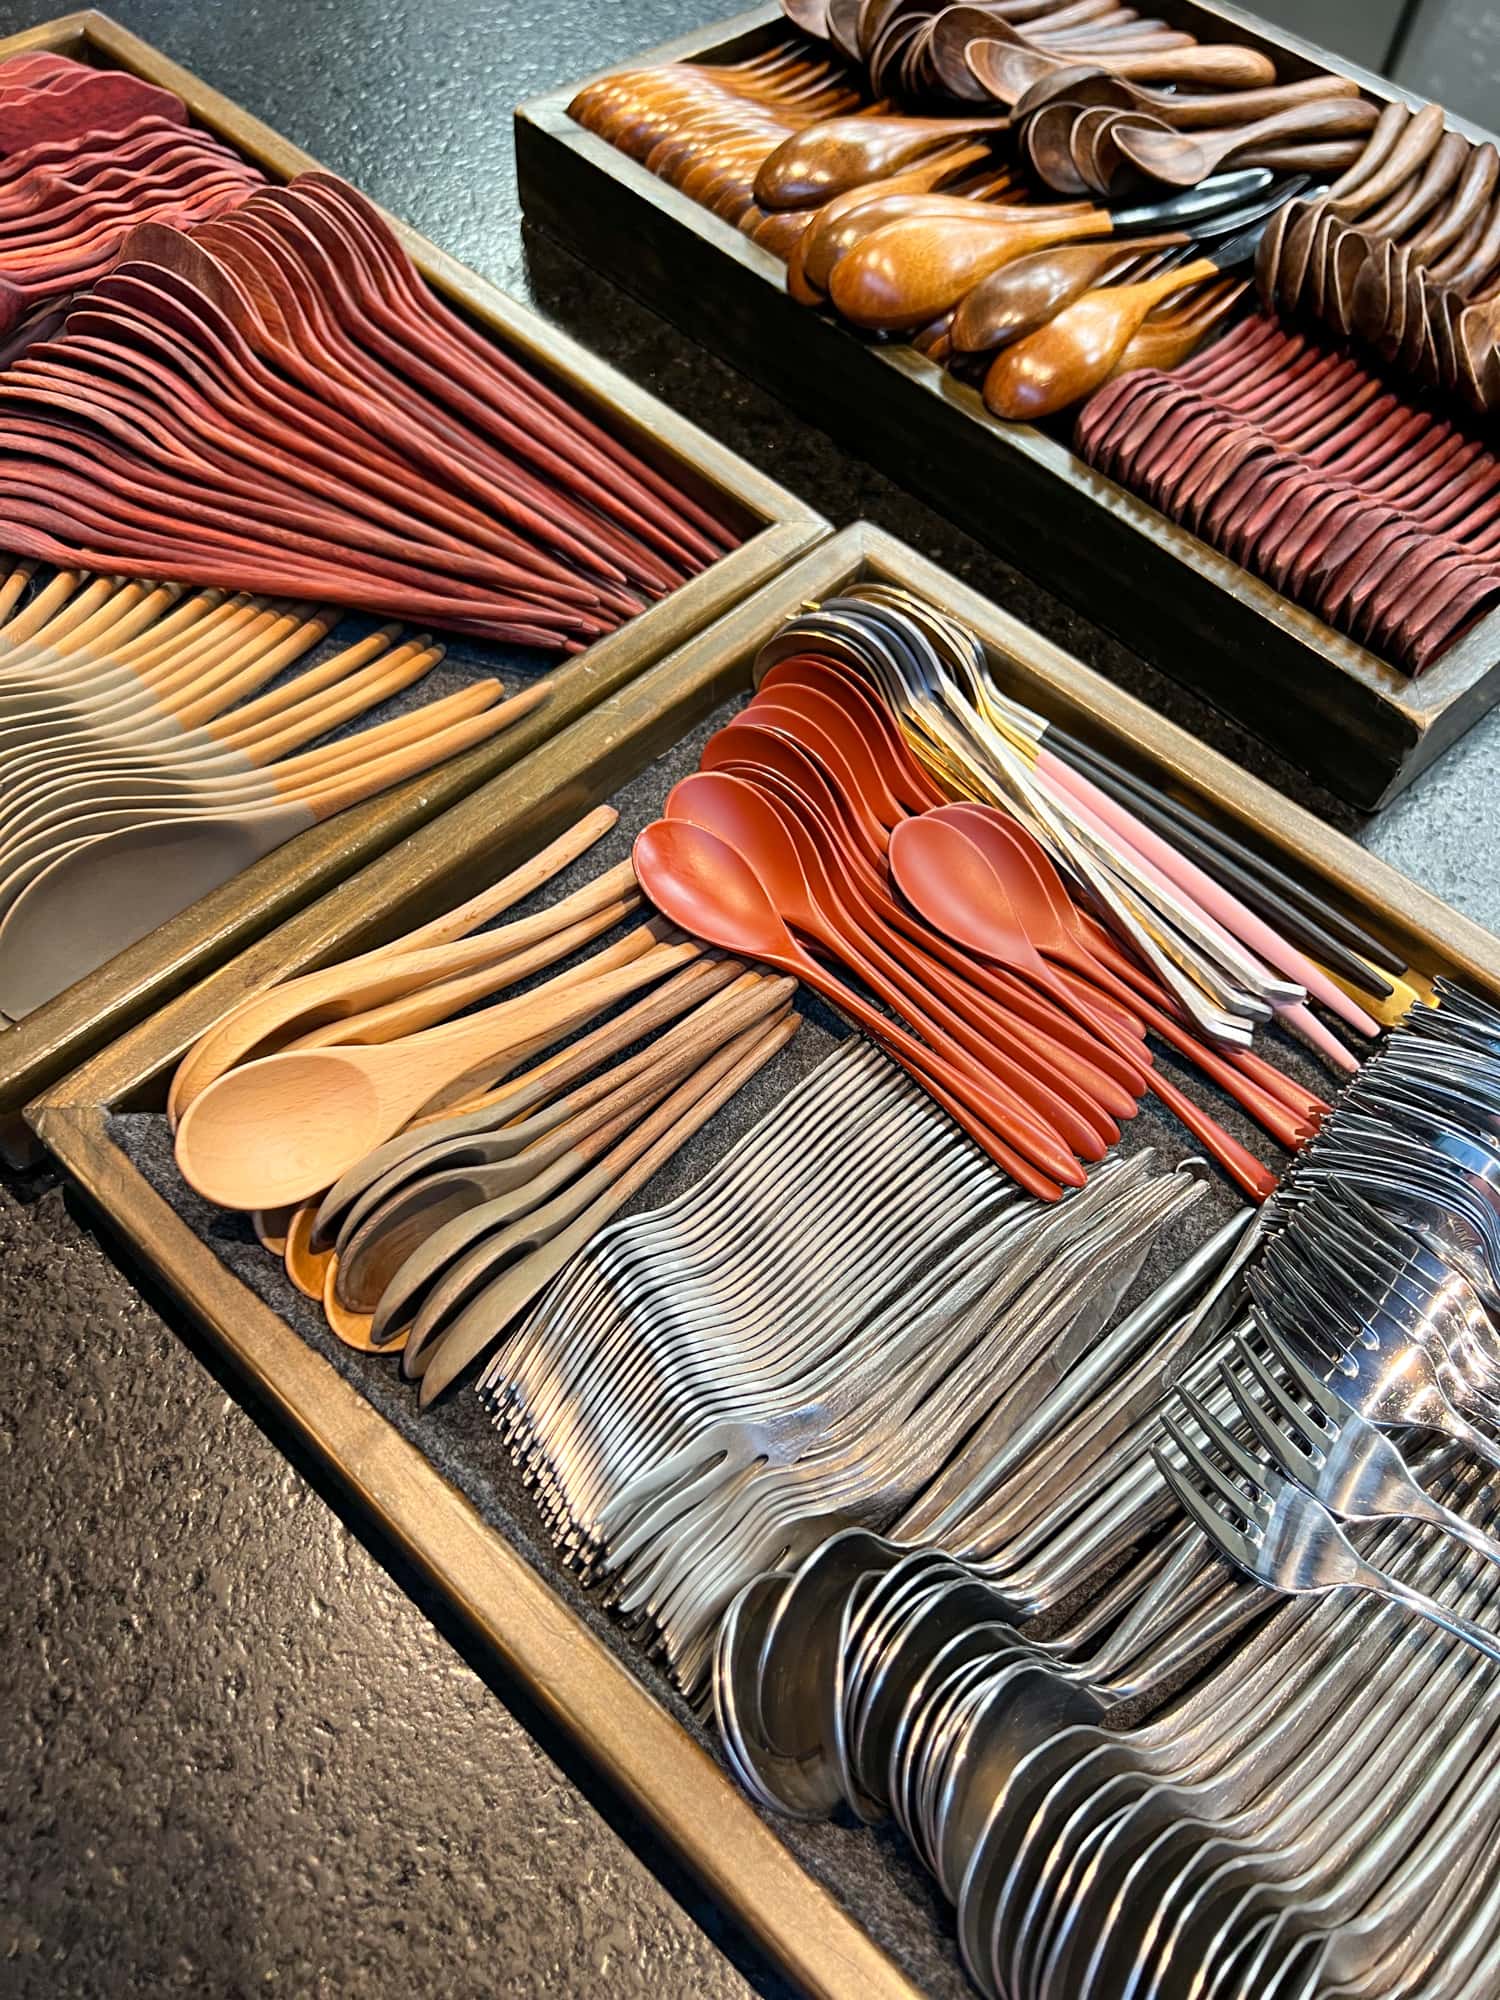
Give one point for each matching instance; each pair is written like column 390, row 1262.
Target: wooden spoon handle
column 381, row 680
column 311, row 770
column 265, row 708
column 659, row 1137
column 717, row 1021
column 1196, row 110
column 1234, row 68
column 251, row 667
column 463, row 1052
column 540, row 1084
column 410, row 763
column 445, row 998
column 12, row 591
column 519, row 883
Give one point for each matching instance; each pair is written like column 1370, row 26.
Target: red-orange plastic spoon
column 903, row 773
column 1041, row 900
column 710, row 890
column 960, row 893
column 808, row 900
column 1111, row 1082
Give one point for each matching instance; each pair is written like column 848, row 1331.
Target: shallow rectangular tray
column 780, row 1883
column 777, row 527
column 1333, row 708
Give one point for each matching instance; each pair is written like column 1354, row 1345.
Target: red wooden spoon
column 711, row 891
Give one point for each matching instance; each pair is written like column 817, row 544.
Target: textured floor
column 239, row 1755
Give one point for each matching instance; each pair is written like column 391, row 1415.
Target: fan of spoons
column 963, row 932
column 1403, row 253
column 994, row 52
column 154, row 742
column 418, row 1171
column 276, row 402
column 85, row 155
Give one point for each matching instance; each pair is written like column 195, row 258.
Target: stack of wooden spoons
column 153, row 743
column 85, row 155
column 1310, row 470
column 409, row 1177
column 276, row 402
column 1403, row 253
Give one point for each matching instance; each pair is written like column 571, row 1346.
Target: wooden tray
column 1336, row 710
column 777, row 527
column 585, row 1684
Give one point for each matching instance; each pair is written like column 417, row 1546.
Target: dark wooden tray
column 761, row 1871
column 777, row 527
column 1333, row 708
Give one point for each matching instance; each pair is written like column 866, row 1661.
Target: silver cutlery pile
column 1374, row 1307
column 803, row 1340
column 1308, row 1806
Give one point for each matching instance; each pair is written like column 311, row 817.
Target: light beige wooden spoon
column 103, row 895
column 282, row 1129
column 268, row 1020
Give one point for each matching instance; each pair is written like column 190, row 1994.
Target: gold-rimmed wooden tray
column 776, row 527
column 1332, row 707
column 841, row 1910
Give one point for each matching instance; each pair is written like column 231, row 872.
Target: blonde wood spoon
column 277, row 1131
column 267, row 1020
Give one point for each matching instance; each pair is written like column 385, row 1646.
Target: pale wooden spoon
column 279, row 1130
column 317, row 998
column 105, row 894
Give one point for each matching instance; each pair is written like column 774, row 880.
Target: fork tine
column 1247, row 1467
column 1277, row 1440
column 1312, row 1386
column 1287, row 1408
column 1202, row 1464
column 1237, row 1547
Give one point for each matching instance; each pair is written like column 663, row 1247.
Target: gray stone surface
column 238, row 1754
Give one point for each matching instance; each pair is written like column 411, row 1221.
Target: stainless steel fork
column 1267, row 1526
column 1331, row 1451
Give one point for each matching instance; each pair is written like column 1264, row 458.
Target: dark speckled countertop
column 242, row 1751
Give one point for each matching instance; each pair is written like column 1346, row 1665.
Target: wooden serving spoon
column 910, row 272
column 1006, row 65
column 266, row 1021
column 506, row 1118
column 1182, row 159
column 1187, row 109
column 1063, row 361
column 282, row 1129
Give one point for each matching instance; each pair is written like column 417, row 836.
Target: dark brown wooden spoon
column 1182, row 159
column 827, row 159
column 1007, row 65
